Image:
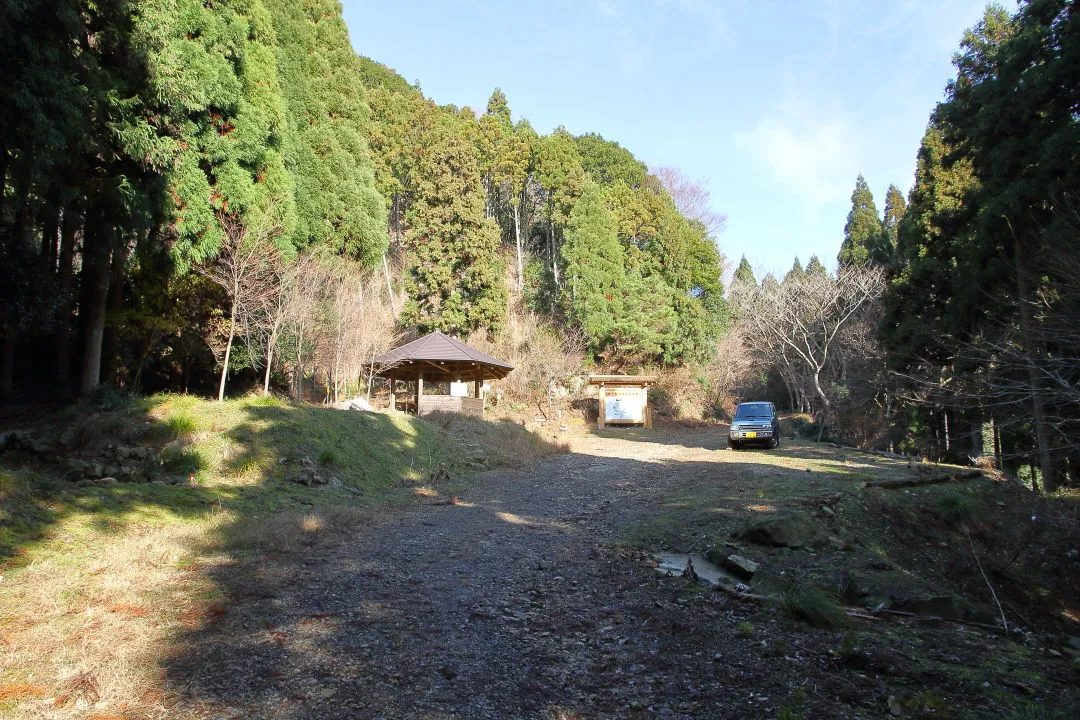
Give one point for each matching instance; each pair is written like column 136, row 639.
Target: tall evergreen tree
column 796, row 273
column 815, row 268
column 337, row 204
column 884, row 250
column 862, row 231
column 989, row 218
column 454, row 277
column 744, row 273
column 594, row 260
column 609, row 162
column 559, row 174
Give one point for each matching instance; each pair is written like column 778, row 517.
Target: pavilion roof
column 443, row 350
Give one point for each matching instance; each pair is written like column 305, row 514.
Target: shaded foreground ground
column 527, row 599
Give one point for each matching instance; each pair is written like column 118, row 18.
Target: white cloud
column 813, row 159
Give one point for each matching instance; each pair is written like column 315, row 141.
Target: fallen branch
column 880, row 453
column 914, row 482
column 934, row 618
column 1001, row 610
column 739, row 593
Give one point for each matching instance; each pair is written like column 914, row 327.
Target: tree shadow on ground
column 520, row 601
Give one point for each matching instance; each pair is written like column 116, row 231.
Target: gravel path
column 512, row 604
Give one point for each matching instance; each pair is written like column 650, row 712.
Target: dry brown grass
column 545, row 358
column 498, row 443
column 683, row 394
column 93, row 619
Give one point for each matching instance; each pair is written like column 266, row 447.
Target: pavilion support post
column 393, row 387
column 478, row 384
column 646, row 411
column 603, row 407
column 419, row 388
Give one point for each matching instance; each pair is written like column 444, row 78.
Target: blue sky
column 776, row 106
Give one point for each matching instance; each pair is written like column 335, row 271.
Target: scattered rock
column 743, row 567
column 360, row 404
column 851, row 589
column 768, row 583
column 438, row 475
column 334, row 483
column 11, row 439
column 787, row 529
column 718, row 556
column 106, row 481
column 309, row 473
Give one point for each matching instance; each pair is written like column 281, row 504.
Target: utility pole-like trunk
column 1031, row 352
column 389, row 287
column 95, row 290
column 228, row 346
column 517, row 240
column 269, row 364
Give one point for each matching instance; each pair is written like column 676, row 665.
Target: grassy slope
column 96, row 577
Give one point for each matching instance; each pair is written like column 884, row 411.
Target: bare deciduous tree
column 245, row 269
column 802, row 322
column 692, row 198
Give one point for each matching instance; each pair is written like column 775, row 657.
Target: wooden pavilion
column 443, row 359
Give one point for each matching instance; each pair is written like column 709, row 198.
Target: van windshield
column 753, row 410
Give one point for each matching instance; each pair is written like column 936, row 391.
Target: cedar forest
column 212, row 197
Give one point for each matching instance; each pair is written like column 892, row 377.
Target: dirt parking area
column 533, row 596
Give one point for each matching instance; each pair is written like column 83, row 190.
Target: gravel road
column 514, row 603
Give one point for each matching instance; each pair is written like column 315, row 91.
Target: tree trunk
column 228, row 352
column 111, row 337
column 7, row 361
column 50, row 230
column 551, row 250
column 269, row 364
column 517, row 240
column 1031, row 352
column 299, row 363
column 826, row 406
column 95, row 290
column 389, row 287
column 64, row 274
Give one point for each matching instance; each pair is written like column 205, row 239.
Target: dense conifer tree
column 744, row 274
column 454, row 275
column 862, row 231
column 884, row 251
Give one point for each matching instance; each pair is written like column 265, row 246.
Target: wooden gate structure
column 439, row 358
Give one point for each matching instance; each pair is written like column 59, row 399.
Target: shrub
column 182, row 425
column 956, row 510
column 810, row 604
column 176, row 461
